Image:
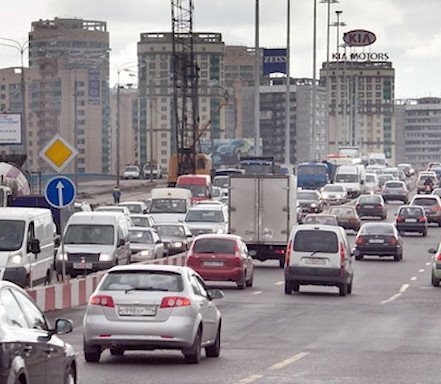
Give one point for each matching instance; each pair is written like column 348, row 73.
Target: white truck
column 263, row 211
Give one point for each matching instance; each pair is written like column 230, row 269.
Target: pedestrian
column 116, row 195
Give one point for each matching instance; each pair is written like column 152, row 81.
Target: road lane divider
column 76, row 292
column 421, row 270
column 250, row 379
column 257, row 292
column 428, row 264
column 289, row 361
column 279, row 283
column 397, row 295
column 413, row 278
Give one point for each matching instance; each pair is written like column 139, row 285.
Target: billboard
column 274, row 61
column 227, row 151
column 10, row 128
column 94, row 86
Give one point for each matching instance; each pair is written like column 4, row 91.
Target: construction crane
column 185, row 86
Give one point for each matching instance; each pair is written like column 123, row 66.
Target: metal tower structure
column 185, row 85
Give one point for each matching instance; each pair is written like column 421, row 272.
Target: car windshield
column 393, row 185
column 11, row 234
column 377, row 229
column 385, row 177
column 140, row 221
column 346, row 178
column 140, row 237
column 221, row 181
column 133, row 208
column 132, row 169
column 424, row 201
column 170, row 230
column 223, row 246
column 168, row 206
column 320, row 219
column 333, row 188
column 196, row 190
column 142, row 280
column 307, row 196
column 205, row 216
column 89, row 234
column 316, row 241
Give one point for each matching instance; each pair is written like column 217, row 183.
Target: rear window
column 143, row 281
column 223, row 246
column 343, row 211
column 410, row 211
column 369, row 199
column 394, row 185
column 316, row 241
column 318, row 219
column 377, row 229
column 307, row 196
column 424, row 201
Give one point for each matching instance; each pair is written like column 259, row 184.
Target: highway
column 387, row 331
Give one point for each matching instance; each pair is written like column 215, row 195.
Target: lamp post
column 21, row 47
column 288, row 89
column 314, row 85
column 256, row 82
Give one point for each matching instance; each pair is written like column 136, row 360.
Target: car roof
column 394, row 181
column 123, row 203
column 150, row 267
column 206, row 207
column 217, row 236
column 318, row 227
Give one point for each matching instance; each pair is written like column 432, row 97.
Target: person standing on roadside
column 116, row 195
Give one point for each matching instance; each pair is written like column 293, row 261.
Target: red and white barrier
column 76, row 292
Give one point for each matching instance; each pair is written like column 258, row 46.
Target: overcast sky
column 409, row 31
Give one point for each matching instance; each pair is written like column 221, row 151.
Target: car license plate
column 411, row 220
column 315, row 261
column 83, row 265
column 137, row 310
column 368, row 206
column 376, row 241
column 213, row 263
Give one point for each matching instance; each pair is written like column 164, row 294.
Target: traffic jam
column 307, row 229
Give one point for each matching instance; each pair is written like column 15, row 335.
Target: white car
column 131, row 172
column 334, row 194
column 207, row 218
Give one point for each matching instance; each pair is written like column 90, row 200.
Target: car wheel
column 358, row 256
column 397, row 257
column 343, row 289
column 116, row 351
column 439, row 223
column 249, row 282
column 296, row 287
column 214, row 350
column 242, row 283
column 288, row 287
column 424, row 233
column 282, row 262
column 92, row 353
column 71, row 377
column 193, row 354
column 350, row 286
column 435, row 280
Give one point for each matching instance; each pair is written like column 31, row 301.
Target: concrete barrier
column 76, row 292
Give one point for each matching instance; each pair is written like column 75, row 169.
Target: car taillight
column 357, row 206
column 103, row 300
column 359, row 240
column 237, row 260
column 422, row 219
column 438, row 257
column 392, row 241
column 190, row 258
column 174, row 302
column 288, row 254
column 398, row 219
column 342, row 256
column 378, row 206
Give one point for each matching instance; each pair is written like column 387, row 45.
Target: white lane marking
column 428, row 264
column 291, row 360
column 421, row 270
column 257, row 293
column 279, row 282
column 250, row 379
column 392, row 298
column 404, row 288
column 413, row 278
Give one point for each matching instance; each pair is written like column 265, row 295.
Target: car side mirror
column 215, row 294
column 253, row 253
column 158, row 241
column 361, row 182
column 189, row 236
column 57, row 240
column 63, row 326
column 432, row 251
column 121, row 243
column 34, row 246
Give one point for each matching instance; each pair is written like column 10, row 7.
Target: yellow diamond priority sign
column 58, row 153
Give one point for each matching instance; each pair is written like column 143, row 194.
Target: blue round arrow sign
column 60, row 192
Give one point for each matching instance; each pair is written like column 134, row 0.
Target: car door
column 206, row 308
column 26, row 338
column 248, row 260
column 51, row 347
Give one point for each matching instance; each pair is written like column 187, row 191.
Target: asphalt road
column 387, row 331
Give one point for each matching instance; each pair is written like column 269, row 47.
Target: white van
column 26, row 245
column 169, row 205
column 94, row 241
column 352, row 177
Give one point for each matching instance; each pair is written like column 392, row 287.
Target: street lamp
column 21, row 47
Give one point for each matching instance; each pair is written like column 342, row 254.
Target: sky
column 410, row 32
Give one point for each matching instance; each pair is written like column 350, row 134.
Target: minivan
column 352, row 177
column 93, row 241
column 318, row 255
column 199, row 185
column 26, row 245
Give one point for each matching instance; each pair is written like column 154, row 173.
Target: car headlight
column 105, row 257
column 15, row 259
column 313, row 205
column 221, row 230
column 62, row 256
column 338, row 196
column 177, row 244
column 145, row 253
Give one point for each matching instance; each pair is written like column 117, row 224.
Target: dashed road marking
column 421, row 270
column 404, row 288
column 397, row 295
column 291, row 360
column 279, row 283
column 257, row 292
column 428, row 264
column 250, row 379
column 413, row 278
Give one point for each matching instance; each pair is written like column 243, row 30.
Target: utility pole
column 314, row 85
column 256, row 83
column 118, row 102
column 288, row 89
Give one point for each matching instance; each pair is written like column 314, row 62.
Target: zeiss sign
column 359, row 38
column 274, row 60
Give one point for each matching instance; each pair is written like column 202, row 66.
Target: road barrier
column 76, row 292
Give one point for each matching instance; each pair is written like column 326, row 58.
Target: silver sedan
column 148, row 307
column 145, row 244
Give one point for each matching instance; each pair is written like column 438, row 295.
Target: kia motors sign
column 359, row 38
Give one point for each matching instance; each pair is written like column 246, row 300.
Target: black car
column 309, row 201
column 378, row 239
column 411, row 219
column 371, row 205
column 29, row 348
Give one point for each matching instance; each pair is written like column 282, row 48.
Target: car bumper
column 212, row 274
column 174, row 333
column 411, row 227
column 370, row 212
column 395, row 197
column 349, row 225
column 315, row 276
column 378, row 251
column 89, row 267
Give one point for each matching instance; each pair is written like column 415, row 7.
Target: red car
column 222, row 258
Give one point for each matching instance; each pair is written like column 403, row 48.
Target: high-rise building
column 71, row 94
column 361, row 108
column 155, row 69
column 418, row 131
